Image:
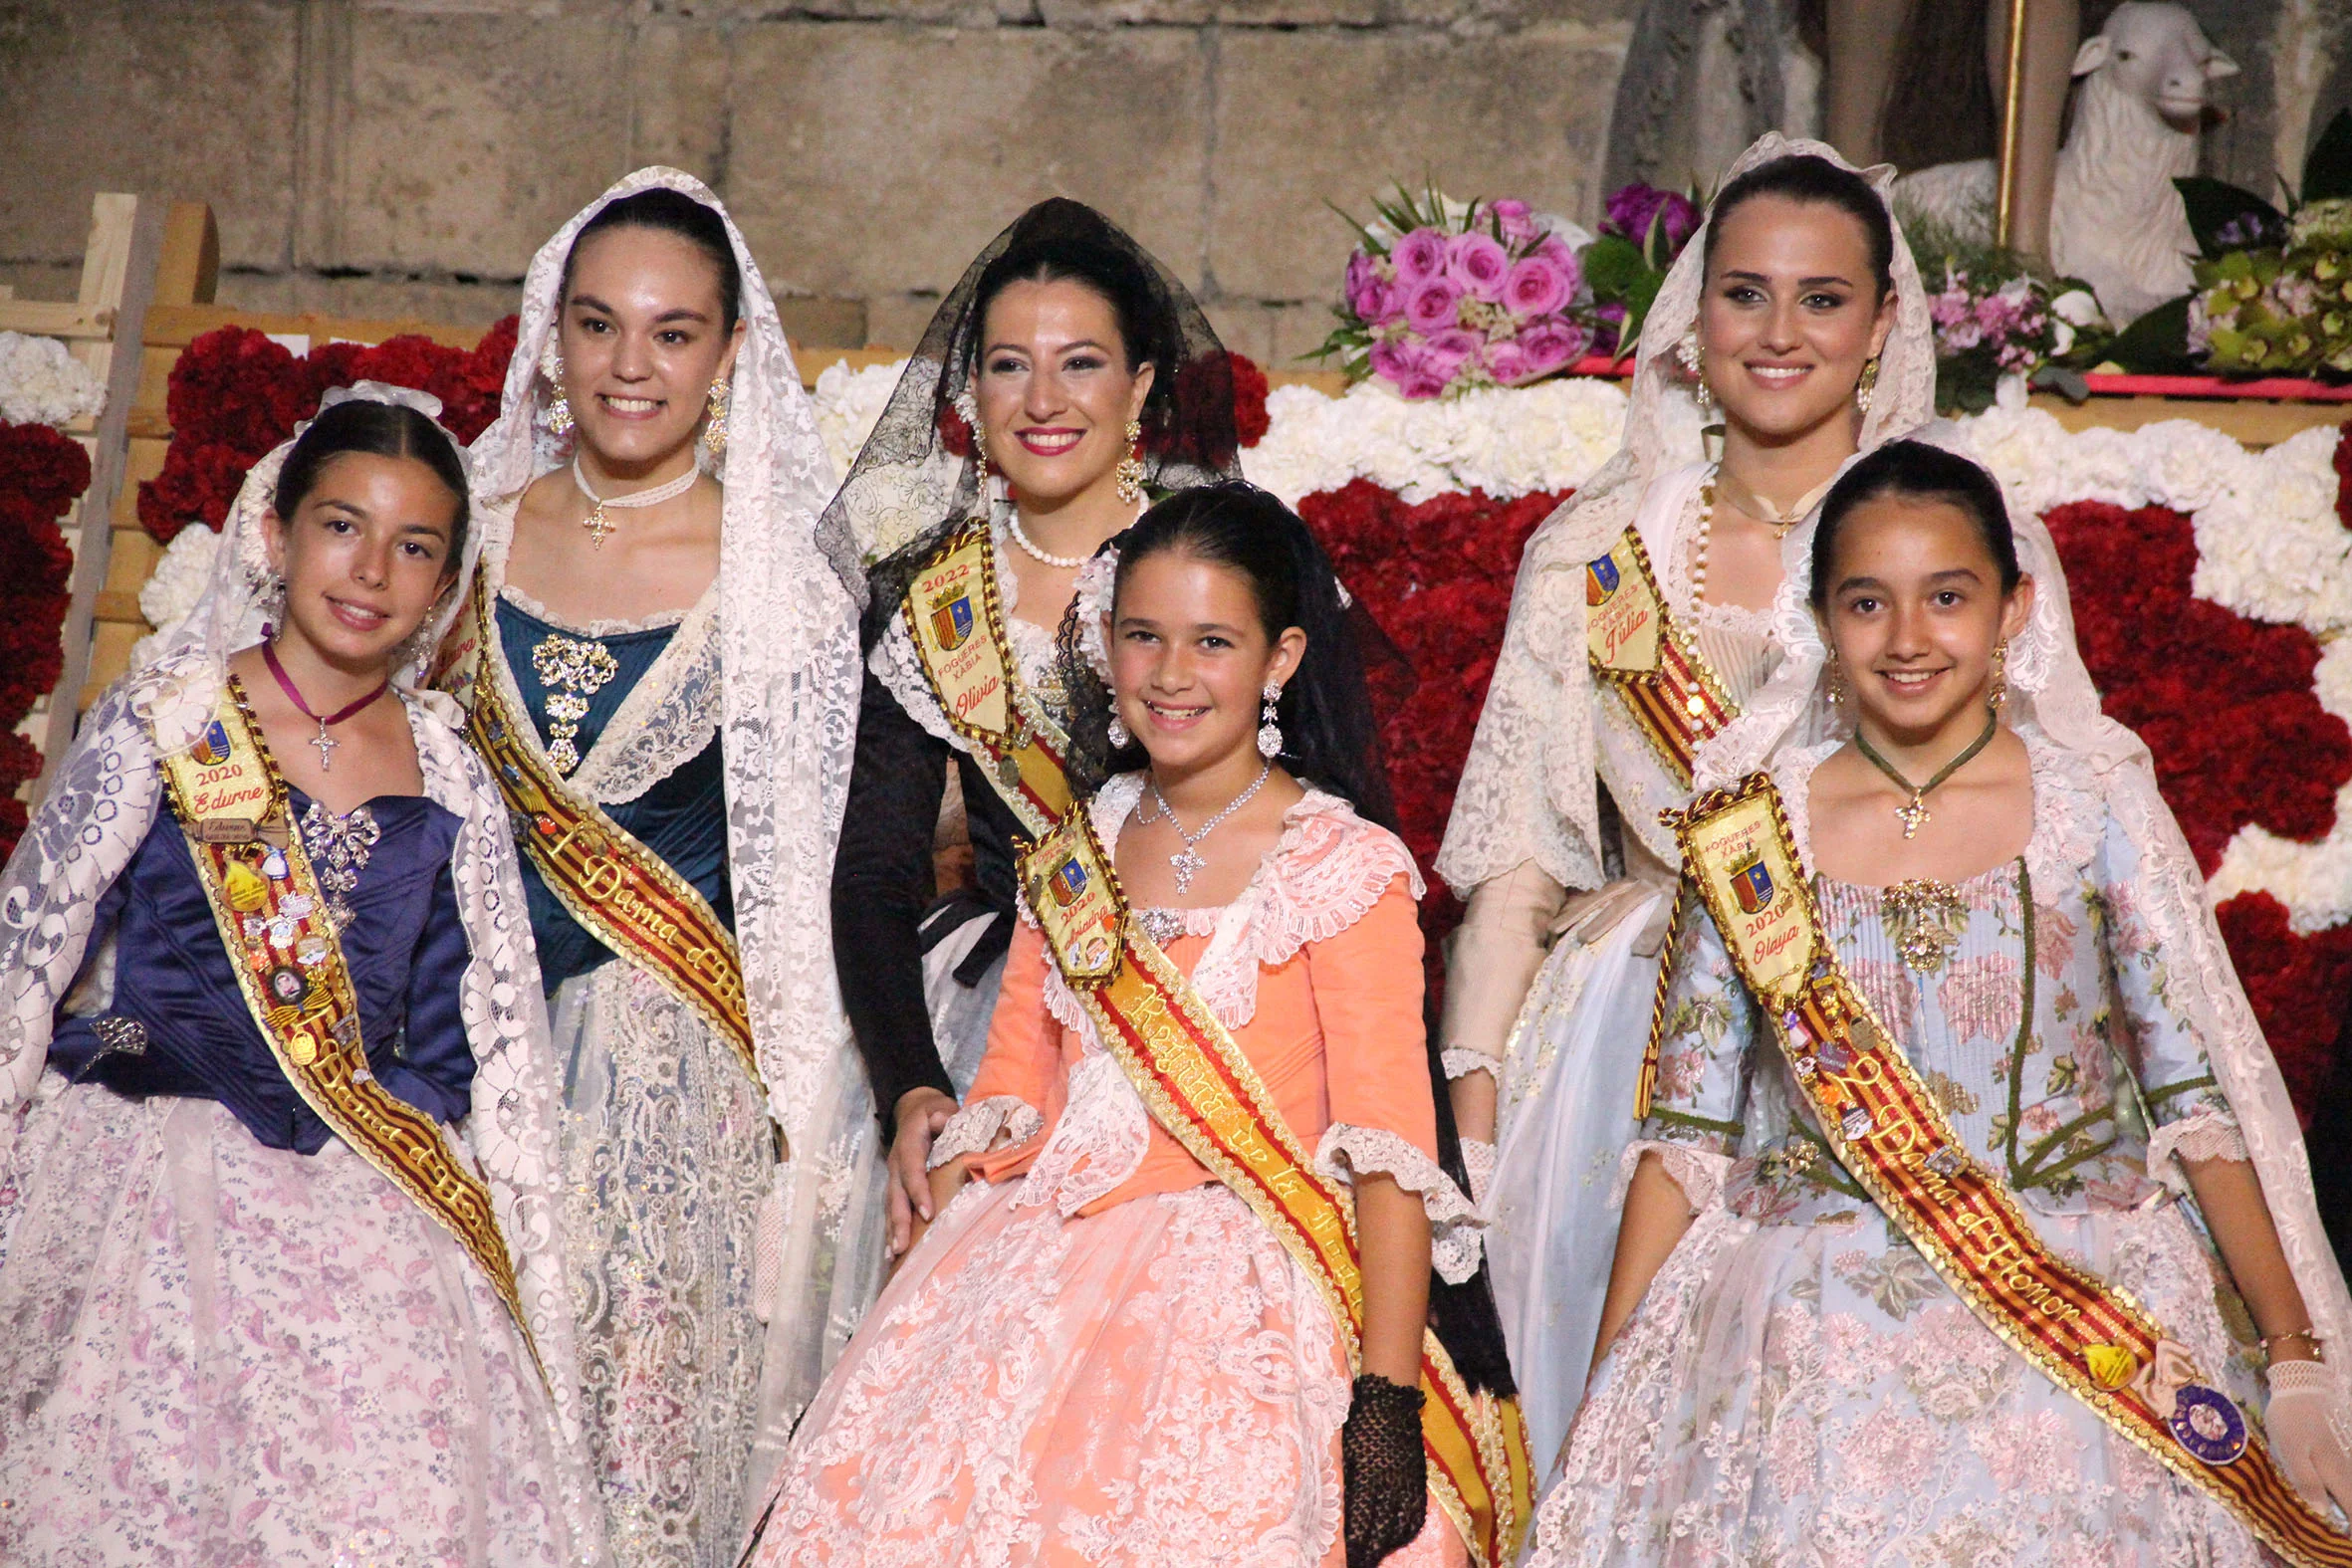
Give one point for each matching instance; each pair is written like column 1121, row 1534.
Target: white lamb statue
column 2116, row 221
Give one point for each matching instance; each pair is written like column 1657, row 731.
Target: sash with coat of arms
column 957, row 620
column 1204, row 1090
column 273, row 919
column 1889, row 1132
column 1634, row 644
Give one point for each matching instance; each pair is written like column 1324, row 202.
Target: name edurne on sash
column 1888, row 1131
column 1202, row 1088
column 621, row 891
column 1634, row 643
column 231, row 802
column 957, row 619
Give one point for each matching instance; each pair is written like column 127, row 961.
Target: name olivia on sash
column 955, row 615
column 1892, row 1135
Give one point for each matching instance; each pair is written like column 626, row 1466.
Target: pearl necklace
column 598, row 525
column 1021, row 538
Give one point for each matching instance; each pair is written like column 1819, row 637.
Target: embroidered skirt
column 214, row 1352
column 667, row 1158
column 1815, row 1393
column 1156, row 1384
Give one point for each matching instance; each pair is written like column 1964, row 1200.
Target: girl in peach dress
column 1101, row 1354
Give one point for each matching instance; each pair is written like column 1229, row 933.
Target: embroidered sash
column 266, row 900
column 1204, row 1091
column 1636, row 644
column 957, row 619
column 623, row 892
column 1888, row 1131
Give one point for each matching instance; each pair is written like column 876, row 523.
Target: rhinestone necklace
column 1188, row 864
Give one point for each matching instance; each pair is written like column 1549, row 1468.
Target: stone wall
column 403, row 157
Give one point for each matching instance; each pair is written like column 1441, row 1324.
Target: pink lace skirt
column 216, row 1353
column 1155, row 1383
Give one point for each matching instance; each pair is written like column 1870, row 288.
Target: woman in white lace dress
column 1100, row 1352
column 279, row 1262
column 663, row 673
column 1639, row 627
column 1992, row 1274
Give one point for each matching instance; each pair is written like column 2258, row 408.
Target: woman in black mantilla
column 1066, row 381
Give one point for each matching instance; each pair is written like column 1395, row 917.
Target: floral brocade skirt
column 1156, row 1384
column 1814, row 1394
column 215, row 1352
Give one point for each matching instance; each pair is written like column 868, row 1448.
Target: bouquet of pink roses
column 1444, row 296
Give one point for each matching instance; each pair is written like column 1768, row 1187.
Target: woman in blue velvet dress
column 661, row 670
column 279, row 1276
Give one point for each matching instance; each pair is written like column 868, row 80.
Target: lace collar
column 1323, row 874
column 2069, row 813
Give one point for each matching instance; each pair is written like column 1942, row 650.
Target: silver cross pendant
column 326, row 746
column 1188, row 865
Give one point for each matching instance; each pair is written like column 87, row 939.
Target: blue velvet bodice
column 406, row 949
column 682, row 818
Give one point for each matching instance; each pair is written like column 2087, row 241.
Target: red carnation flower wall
column 41, row 474
column 235, row 394
column 2223, row 702
column 1437, row 579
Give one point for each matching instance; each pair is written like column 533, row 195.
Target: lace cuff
column 2203, row 1134
column 1452, row 1221
column 974, row 1129
column 1698, row 1173
column 1460, row 1062
column 1477, row 1158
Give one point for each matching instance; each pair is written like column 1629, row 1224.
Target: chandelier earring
column 1867, row 386
column 714, row 427
column 559, row 411
column 1837, row 684
column 1270, row 733
column 1996, row 695
column 1132, row 466
column 1693, row 360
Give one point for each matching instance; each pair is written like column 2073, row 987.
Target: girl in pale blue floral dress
column 1798, row 1382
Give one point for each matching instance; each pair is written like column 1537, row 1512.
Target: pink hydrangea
column 1419, row 256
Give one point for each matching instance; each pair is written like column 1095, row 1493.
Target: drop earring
column 1121, row 739
column 559, row 411
column 1270, row 733
column 1996, row 696
column 1693, row 360
column 1132, row 466
column 714, row 428
column 1866, row 387
column 1837, row 684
